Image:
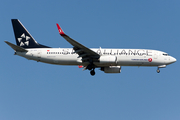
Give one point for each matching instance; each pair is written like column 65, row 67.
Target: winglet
column 60, row 30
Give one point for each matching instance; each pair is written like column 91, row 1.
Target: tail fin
column 23, row 37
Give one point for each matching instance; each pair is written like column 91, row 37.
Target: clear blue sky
column 36, row 91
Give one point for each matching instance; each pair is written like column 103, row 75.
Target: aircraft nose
column 173, row 60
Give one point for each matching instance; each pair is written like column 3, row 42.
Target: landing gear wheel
column 92, row 72
column 158, row 71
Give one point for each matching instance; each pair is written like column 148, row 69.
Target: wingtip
column 61, row 32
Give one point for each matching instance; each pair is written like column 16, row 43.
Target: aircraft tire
column 158, row 71
column 92, row 72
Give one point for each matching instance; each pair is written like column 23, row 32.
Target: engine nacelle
column 108, row 60
column 112, row 69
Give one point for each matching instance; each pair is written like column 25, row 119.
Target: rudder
column 23, row 37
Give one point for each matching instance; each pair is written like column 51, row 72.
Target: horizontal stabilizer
column 15, row 47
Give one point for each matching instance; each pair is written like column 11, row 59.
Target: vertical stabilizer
column 23, row 37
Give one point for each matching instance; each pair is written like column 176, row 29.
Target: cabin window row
column 103, row 53
column 124, row 53
column 60, row 53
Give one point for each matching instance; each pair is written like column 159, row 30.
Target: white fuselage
column 108, row 60
column 125, row 57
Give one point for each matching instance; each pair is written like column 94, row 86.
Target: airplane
column 108, row 60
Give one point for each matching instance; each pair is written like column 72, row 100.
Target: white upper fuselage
column 108, row 60
column 125, row 57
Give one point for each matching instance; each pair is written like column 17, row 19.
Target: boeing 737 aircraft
column 108, row 60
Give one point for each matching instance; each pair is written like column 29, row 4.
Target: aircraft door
column 39, row 54
column 155, row 55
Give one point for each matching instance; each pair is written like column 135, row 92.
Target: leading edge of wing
column 75, row 43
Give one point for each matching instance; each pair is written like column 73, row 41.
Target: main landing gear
column 91, row 67
column 92, row 72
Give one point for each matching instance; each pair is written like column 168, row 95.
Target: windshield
column 165, row 54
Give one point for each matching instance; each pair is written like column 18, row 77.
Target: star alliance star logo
column 24, row 40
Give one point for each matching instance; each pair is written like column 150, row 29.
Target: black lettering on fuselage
column 149, row 53
column 134, row 52
column 131, row 52
column 123, row 52
column 141, row 52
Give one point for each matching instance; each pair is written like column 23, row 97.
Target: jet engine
column 108, row 60
column 111, row 69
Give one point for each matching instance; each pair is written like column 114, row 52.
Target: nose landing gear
column 158, row 71
column 160, row 66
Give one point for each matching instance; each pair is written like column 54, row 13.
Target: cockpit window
column 165, row 54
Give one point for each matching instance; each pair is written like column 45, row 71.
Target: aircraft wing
column 80, row 49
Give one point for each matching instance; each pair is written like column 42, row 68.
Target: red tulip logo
column 150, row 59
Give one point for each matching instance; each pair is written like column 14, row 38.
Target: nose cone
column 172, row 59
